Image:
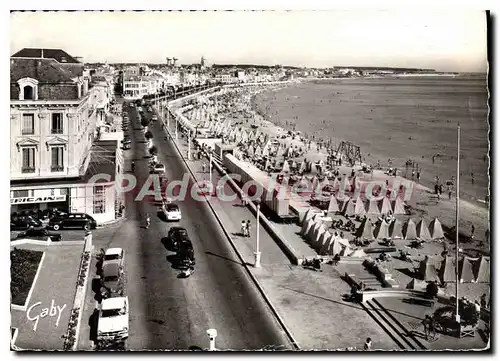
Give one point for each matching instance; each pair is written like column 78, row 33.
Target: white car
column 172, row 212
column 159, row 168
column 113, row 319
column 113, row 255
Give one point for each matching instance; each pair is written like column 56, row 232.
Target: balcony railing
column 56, row 131
column 57, row 168
column 28, row 169
column 28, row 131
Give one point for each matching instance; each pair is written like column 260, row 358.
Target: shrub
column 153, row 150
column 144, row 122
column 148, row 135
column 24, row 264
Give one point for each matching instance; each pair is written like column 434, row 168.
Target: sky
column 445, row 40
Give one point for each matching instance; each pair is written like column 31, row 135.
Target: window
column 57, row 123
column 99, row 200
column 28, row 124
column 57, row 164
column 28, row 160
column 28, row 92
column 21, row 193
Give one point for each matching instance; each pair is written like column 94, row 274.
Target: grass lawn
column 24, row 264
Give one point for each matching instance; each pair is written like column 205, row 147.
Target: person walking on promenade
column 472, row 177
column 432, row 327
column 418, row 176
column 248, row 228
column 449, row 192
column 203, row 166
column 472, row 230
column 368, row 344
column 483, row 301
column 244, row 228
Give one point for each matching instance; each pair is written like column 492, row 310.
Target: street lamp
column 189, row 145
column 176, row 126
column 210, row 165
column 257, row 248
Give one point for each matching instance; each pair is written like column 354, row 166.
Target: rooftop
column 58, row 55
column 43, row 70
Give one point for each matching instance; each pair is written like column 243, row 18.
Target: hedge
column 24, row 264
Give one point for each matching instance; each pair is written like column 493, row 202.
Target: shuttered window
column 57, row 164
column 28, row 124
column 28, row 160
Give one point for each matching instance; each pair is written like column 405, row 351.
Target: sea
column 395, row 120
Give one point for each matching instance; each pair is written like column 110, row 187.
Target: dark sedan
column 40, row 234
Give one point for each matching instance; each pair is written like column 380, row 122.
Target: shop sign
column 27, row 200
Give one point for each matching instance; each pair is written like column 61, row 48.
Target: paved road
column 173, row 313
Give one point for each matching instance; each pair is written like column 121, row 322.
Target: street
column 167, row 312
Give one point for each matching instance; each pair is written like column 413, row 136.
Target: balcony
column 28, row 170
column 56, row 131
column 57, row 168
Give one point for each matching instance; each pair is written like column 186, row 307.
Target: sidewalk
column 310, row 303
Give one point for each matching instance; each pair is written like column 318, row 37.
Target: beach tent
column 304, row 216
column 416, row 284
column 447, row 270
column 482, row 270
column 349, row 208
column 427, row 270
column 382, row 230
column 359, row 208
column 359, row 253
column 385, row 206
column 244, row 136
column 335, row 246
column 365, row 231
column 398, row 206
column 423, row 231
column 409, row 229
column 317, row 217
column 312, row 231
column 317, row 234
column 333, row 206
column 306, row 228
column 265, row 152
column 258, row 151
column 324, row 243
column 303, row 166
column 396, row 229
column 314, row 169
column 286, row 167
column 250, row 151
column 466, row 271
column 435, row 229
column 373, row 207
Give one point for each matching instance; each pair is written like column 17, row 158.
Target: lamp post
column 257, row 248
column 210, row 166
column 176, row 126
column 189, row 145
column 457, row 314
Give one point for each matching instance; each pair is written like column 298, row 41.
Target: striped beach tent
column 323, row 243
column 482, row 270
column 385, row 207
column 312, row 231
column 373, row 207
column 250, row 151
column 286, row 167
column 333, row 206
column 382, row 231
column 318, row 232
column 365, row 231
column 258, row 151
column 427, row 270
column 306, row 227
column 349, row 208
column 396, row 229
column 303, row 166
column 265, row 151
column 398, row 206
column 409, row 229
column 359, row 208
column 435, row 229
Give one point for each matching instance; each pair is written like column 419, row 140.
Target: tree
column 153, row 150
column 144, row 122
column 148, row 135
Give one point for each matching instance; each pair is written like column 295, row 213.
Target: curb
column 110, row 223
column 25, row 306
column 295, row 344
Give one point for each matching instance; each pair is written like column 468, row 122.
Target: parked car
column 178, row 237
column 24, row 222
column 154, row 118
column 40, row 234
column 73, row 220
column 113, row 255
column 159, row 168
column 112, row 324
column 111, row 277
column 127, row 146
column 171, row 212
column 126, row 141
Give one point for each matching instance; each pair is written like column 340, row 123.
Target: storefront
column 26, row 200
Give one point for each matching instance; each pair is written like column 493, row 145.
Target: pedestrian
column 472, row 230
column 426, row 322
column 418, row 176
column 483, row 301
column 412, row 174
column 248, row 228
column 449, row 192
column 472, row 177
column 368, row 344
column 432, row 326
column 477, row 306
column 203, row 166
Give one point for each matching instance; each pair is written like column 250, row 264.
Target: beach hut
column 365, row 231
column 286, row 167
column 373, row 207
column 465, row 271
column 349, row 208
column 482, row 270
column 447, row 269
column 409, row 229
column 396, row 229
column 306, row 228
column 382, row 231
column 385, row 207
column 427, row 270
column 435, row 229
column 333, row 206
column 359, row 207
column 398, row 206
column 423, row 231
